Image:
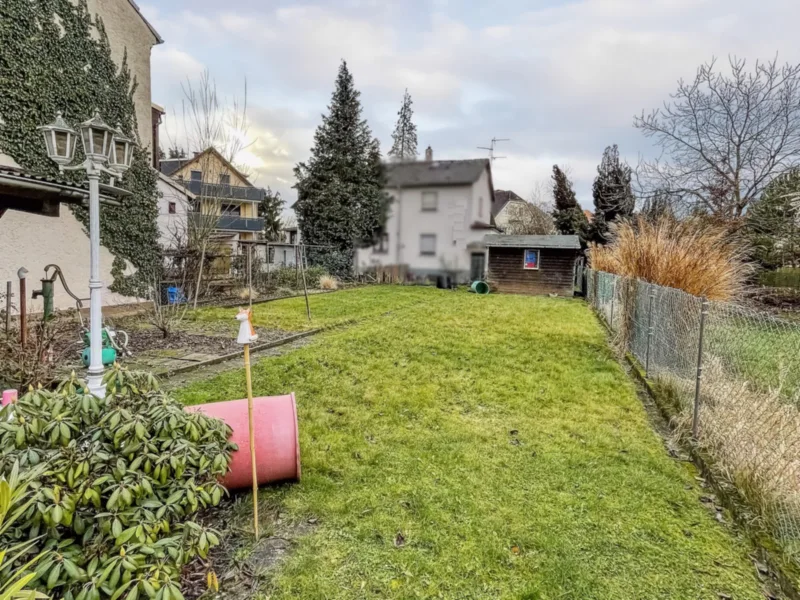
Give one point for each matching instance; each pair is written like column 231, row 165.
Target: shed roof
column 567, row 242
column 423, row 173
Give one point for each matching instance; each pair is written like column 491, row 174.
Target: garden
column 453, row 446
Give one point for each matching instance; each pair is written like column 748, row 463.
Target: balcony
column 233, row 222
column 223, row 191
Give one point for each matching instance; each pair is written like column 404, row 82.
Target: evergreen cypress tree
column 404, row 146
column 568, row 214
column 270, row 209
column 341, row 204
column 613, row 197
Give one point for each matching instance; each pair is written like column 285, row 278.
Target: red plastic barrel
column 277, row 439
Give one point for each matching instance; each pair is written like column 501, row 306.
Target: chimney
column 428, row 154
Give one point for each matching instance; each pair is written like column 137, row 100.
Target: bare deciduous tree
column 209, row 122
column 724, row 136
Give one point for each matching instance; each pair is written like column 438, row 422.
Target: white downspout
column 399, row 253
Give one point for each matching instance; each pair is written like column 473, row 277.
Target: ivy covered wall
column 49, row 62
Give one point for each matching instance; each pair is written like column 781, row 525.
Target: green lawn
column 467, row 446
column 326, row 309
column 760, row 350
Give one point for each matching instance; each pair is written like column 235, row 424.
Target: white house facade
column 174, row 204
column 505, row 207
column 439, row 214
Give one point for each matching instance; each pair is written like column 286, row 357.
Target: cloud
column 562, row 81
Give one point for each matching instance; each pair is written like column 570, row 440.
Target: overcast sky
column 562, row 80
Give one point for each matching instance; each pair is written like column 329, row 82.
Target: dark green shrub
column 287, row 277
column 122, row 477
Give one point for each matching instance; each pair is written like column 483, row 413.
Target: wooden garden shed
column 532, row 264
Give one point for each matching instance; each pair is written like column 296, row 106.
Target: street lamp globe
column 60, row 140
column 120, row 152
column 96, row 137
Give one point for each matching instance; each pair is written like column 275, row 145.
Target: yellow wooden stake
column 247, row 334
column 249, row 379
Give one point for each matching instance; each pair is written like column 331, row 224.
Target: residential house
column 129, row 33
column 505, row 206
column 439, row 214
column 34, row 238
column 284, row 252
column 174, row 206
column 223, row 197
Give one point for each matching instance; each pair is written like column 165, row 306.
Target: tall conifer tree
column 568, row 214
column 341, row 204
column 404, row 145
column 613, row 197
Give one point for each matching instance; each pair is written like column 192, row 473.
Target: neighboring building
column 533, row 264
column 439, row 213
column 220, row 190
column 505, row 204
column 34, row 239
column 588, row 214
column 130, row 33
column 283, row 253
column 174, row 205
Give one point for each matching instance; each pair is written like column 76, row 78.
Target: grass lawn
column 762, row 351
column 479, row 447
column 326, row 309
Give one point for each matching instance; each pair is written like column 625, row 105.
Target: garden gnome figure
column 247, row 334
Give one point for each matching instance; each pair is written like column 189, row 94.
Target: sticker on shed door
column 531, row 259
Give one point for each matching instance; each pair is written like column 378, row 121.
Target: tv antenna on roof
column 490, row 148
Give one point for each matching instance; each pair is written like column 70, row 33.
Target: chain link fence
column 731, row 377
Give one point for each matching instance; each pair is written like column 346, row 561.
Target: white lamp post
column 102, row 145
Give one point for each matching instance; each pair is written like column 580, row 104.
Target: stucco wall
column 170, row 225
column 511, row 209
column 451, row 223
column 127, row 30
column 34, row 241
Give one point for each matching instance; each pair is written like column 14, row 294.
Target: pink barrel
column 277, row 439
column 9, row 396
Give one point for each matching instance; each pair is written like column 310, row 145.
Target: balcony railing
column 221, row 190
column 231, row 222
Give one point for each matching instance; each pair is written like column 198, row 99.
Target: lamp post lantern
column 60, row 139
column 103, row 145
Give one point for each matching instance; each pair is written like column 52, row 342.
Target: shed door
column 477, row 264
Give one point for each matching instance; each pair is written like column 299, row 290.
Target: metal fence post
column 651, row 300
column 696, row 412
column 613, row 297
column 9, row 289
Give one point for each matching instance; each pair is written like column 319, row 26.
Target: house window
column 232, row 209
column 197, row 175
column 225, row 179
column 382, row 247
column 171, row 208
column 427, row 244
column 531, row 262
column 480, row 206
column 430, row 201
